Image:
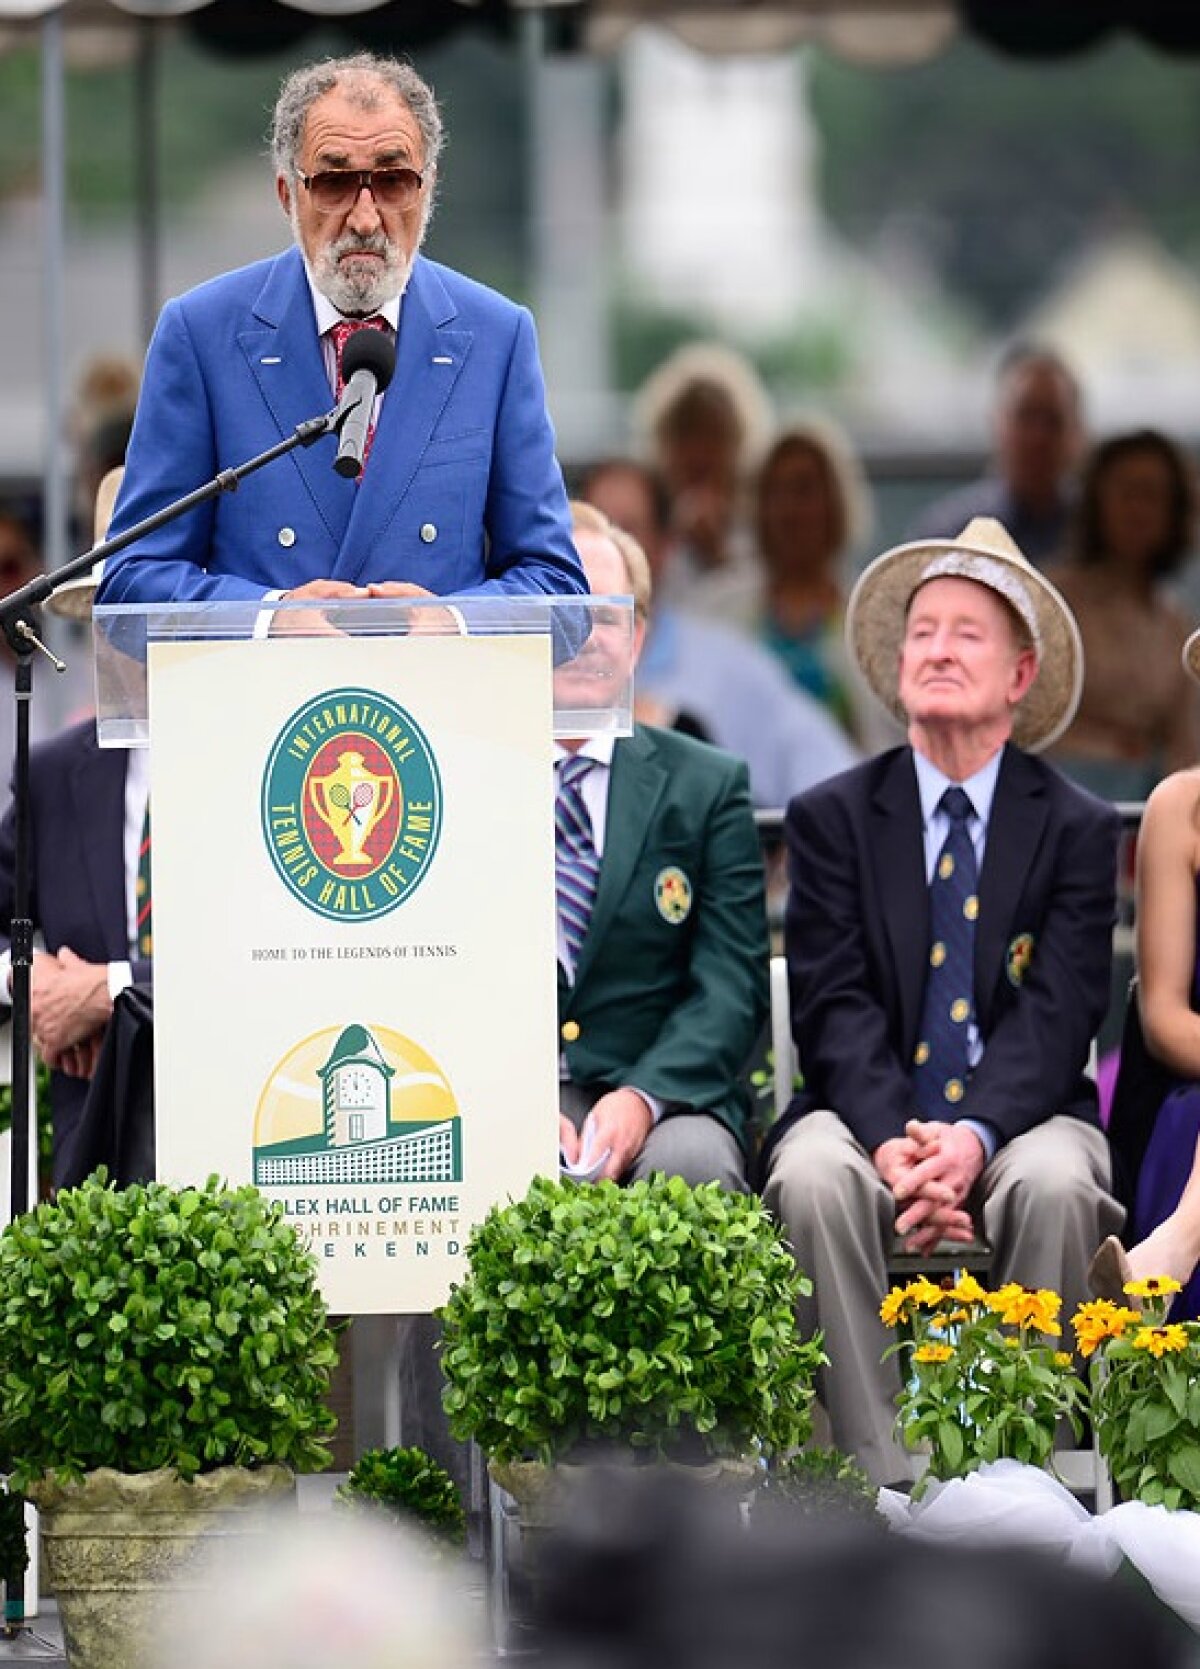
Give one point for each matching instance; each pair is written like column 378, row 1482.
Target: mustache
column 354, row 243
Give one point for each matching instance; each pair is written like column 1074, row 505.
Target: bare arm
column 1168, row 858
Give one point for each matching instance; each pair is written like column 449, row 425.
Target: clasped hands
column 313, row 623
column 69, row 1009
column 930, row 1170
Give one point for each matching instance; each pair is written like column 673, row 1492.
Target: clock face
column 357, row 1086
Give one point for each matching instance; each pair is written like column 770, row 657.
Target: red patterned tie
column 340, row 334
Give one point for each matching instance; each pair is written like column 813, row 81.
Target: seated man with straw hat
column 948, row 933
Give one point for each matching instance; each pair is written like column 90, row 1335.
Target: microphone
column 368, row 361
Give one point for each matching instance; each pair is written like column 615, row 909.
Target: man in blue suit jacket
column 461, row 492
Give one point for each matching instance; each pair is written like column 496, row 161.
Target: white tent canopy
column 869, row 31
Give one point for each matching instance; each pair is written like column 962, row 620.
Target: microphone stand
column 18, row 623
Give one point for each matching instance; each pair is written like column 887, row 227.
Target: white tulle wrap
column 1006, row 1502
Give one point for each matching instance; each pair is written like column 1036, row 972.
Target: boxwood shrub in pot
column 409, row 1487
column 657, row 1318
column 162, row 1352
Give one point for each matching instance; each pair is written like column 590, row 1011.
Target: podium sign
column 353, row 908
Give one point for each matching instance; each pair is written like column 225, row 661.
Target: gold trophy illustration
column 350, row 800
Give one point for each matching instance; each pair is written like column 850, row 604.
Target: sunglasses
column 337, row 189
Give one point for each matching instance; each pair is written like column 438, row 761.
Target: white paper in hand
column 589, row 1164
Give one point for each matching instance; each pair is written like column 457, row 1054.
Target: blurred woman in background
column 706, row 416
column 810, row 510
column 1139, row 716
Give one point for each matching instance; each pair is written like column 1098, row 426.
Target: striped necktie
column 339, row 334
column 940, row 1063
column 145, row 910
column 576, row 865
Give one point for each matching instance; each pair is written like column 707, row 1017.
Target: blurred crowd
column 758, row 527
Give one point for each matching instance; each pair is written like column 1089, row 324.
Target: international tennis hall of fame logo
column 358, row 1130
column 351, row 804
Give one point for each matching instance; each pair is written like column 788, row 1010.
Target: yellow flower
column 967, row 1290
column 926, row 1294
column 1023, row 1307
column 894, row 1307
column 1100, row 1319
column 1159, row 1340
column 932, row 1353
column 1063, row 1358
column 1153, row 1286
column 900, row 1302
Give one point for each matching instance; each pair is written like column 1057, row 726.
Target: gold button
column 570, row 1031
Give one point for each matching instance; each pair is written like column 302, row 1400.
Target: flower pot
column 544, row 1497
column 538, row 1490
column 118, row 1545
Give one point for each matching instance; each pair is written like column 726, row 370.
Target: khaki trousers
column 1044, row 1206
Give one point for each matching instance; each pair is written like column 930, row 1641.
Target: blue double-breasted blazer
column 462, row 492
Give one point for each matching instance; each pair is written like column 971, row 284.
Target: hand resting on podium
column 314, row 623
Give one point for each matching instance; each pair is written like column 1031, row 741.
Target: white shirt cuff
column 120, row 976
column 656, row 1106
column 262, row 625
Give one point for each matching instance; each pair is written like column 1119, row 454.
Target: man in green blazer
column 663, row 950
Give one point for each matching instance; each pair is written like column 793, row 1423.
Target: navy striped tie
column 940, row 1063
column 576, row 865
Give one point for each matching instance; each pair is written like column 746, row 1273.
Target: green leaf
column 1184, row 1467
column 950, row 1443
column 1159, row 1420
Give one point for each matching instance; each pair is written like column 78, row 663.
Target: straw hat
column 986, row 553
column 74, row 599
column 1191, row 655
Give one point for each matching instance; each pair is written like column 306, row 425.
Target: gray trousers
column 695, row 1146
column 1045, row 1207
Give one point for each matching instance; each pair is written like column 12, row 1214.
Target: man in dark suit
column 662, row 991
column 87, row 808
column 461, row 492
column 948, row 937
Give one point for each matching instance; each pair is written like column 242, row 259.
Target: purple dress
column 1167, row 1164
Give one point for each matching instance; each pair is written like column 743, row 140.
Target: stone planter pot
column 118, row 1544
column 540, row 1493
column 538, row 1489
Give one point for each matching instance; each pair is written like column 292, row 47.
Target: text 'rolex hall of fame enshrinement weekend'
column 354, row 939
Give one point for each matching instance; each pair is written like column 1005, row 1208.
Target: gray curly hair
column 362, row 74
